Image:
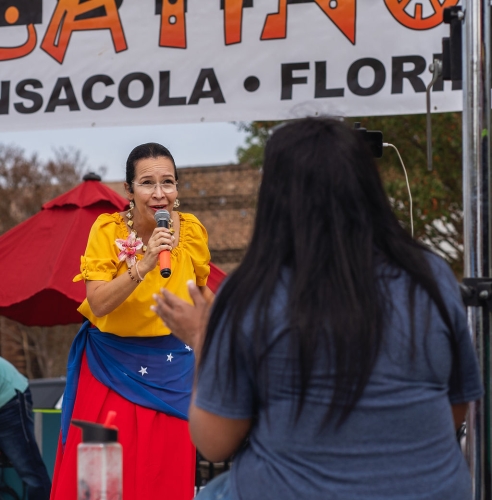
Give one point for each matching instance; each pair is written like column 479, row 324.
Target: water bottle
column 99, row 461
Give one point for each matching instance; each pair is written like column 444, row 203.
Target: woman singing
column 124, row 358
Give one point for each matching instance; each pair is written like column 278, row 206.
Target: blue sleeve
column 217, row 392
column 465, row 383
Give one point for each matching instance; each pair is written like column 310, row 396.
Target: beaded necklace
column 130, row 223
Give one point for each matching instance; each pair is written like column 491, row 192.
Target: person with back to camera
column 337, row 361
column 124, row 358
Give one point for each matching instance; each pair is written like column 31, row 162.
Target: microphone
column 162, row 217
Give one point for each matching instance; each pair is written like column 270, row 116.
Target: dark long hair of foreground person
column 323, row 216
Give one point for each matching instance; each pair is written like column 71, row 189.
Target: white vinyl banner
column 84, row 63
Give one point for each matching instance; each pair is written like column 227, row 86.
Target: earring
column 176, row 203
column 129, row 214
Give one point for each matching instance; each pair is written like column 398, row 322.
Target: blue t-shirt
column 397, row 444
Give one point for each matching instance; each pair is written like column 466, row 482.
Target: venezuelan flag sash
column 154, row 372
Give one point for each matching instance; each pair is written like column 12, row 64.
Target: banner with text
column 84, row 63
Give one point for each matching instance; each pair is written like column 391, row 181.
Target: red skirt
column 158, row 455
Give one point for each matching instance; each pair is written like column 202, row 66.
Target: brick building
column 224, row 199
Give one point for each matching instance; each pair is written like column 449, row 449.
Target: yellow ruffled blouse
column 134, row 318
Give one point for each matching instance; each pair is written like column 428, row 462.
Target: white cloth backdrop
column 127, row 62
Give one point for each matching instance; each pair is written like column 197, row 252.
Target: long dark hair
column 144, row 151
column 322, row 214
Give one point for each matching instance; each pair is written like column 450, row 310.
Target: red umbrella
column 216, row 277
column 42, row 254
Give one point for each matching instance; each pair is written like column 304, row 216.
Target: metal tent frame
column 477, row 222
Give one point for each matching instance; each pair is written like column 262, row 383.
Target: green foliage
column 437, row 195
column 258, row 132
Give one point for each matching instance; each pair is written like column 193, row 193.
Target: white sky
column 190, row 144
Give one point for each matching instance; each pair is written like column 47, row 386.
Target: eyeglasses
column 168, row 186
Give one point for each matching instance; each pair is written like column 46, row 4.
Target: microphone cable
column 388, row 145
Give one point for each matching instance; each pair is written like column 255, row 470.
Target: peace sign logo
column 410, row 12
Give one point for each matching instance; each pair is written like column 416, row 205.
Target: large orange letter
column 173, row 24
column 12, row 16
column 233, row 19
column 64, row 22
column 7, row 53
column 341, row 12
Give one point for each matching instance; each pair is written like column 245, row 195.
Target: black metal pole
column 476, row 208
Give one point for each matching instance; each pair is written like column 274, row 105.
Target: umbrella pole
column 476, row 208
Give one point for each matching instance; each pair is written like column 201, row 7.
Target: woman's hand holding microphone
column 161, row 239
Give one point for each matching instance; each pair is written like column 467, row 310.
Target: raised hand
column 187, row 321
